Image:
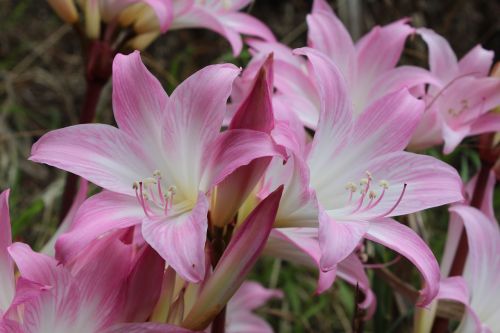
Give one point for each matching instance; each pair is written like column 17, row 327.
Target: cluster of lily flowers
column 303, row 155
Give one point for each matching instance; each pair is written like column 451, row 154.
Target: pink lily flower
column 223, row 17
column 481, row 278
column 460, row 97
column 368, row 66
column 479, row 284
column 159, row 166
column 354, row 176
column 250, row 296
column 89, row 295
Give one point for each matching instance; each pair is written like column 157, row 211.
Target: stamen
column 351, row 187
column 140, row 197
column 396, row 204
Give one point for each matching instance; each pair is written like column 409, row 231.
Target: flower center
column 368, row 197
column 149, row 191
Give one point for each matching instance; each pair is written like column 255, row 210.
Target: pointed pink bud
column 239, row 257
column 255, row 112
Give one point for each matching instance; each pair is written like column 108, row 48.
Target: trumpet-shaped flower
column 159, row 165
column 354, row 176
column 222, row 16
column 460, row 96
column 368, row 66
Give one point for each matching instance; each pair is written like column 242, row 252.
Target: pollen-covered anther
column 364, row 181
column 172, row 189
column 157, row 174
column 350, row 186
column 384, row 184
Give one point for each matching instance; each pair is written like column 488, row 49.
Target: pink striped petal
column 7, row 286
column 99, row 215
column 247, row 25
column 335, row 122
column 328, row 35
column 180, row 239
column 298, row 92
column 236, row 148
column 100, row 283
column 338, row 239
column 442, row 60
column 192, row 122
column 321, row 5
column 379, row 50
column 280, row 52
column 477, row 62
column 298, row 207
column 99, row 153
column 37, row 267
column 139, row 101
column 454, row 288
column 405, row 241
column 198, row 17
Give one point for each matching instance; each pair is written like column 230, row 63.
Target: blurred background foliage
column 42, row 87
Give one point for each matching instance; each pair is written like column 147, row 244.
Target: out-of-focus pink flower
column 354, row 176
column 159, row 166
column 460, row 97
column 250, row 296
column 223, row 17
column 368, row 66
column 479, row 286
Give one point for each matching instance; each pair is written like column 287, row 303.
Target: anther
column 384, row 184
column 372, row 195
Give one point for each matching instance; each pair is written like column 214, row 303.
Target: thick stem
column 458, row 264
column 87, row 114
column 218, row 247
column 219, row 323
